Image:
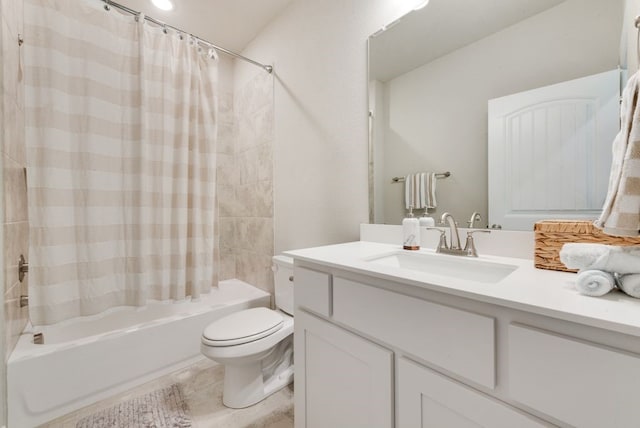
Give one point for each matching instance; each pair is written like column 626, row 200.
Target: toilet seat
column 242, row 327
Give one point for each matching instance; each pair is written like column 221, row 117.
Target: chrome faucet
column 455, row 249
column 474, row 217
column 447, row 218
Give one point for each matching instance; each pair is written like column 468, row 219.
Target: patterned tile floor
column 202, row 388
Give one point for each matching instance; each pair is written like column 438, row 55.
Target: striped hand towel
column 621, row 212
column 420, row 190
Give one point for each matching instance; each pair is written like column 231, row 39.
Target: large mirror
column 437, row 74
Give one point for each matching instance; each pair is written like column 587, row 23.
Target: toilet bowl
column 255, row 345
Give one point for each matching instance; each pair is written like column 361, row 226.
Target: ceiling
column 230, row 24
column 442, row 27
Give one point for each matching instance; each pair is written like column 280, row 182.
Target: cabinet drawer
column 455, row 340
column 312, row 290
column 582, row 384
column 427, row 399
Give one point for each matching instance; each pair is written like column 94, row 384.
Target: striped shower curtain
column 120, row 129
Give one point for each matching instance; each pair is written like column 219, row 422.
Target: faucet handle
column 474, row 217
column 471, row 232
column 443, row 238
column 470, row 246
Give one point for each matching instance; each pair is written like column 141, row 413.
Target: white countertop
column 544, row 292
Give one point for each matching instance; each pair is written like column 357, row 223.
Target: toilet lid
column 242, row 327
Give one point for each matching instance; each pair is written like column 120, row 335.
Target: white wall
column 629, row 42
column 437, row 114
column 319, row 51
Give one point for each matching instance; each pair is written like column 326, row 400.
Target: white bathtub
column 91, row 358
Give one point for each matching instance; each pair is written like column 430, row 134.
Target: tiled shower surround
column 15, row 233
column 15, row 223
column 245, row 182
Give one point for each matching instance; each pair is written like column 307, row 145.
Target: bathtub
column 87, row 359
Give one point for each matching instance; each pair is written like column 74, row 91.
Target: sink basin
column 445, row 265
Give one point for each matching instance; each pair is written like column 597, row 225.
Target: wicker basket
column 551, row 235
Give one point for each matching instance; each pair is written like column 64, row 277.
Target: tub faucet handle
column 23, row 268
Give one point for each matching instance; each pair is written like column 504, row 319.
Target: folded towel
column 630, row 284
column 420, row 190
column 610, row 258
column 621, row 210
column 595, row 282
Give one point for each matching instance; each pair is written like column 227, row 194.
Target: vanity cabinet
column 347, row 380
column 427, row 399
column 458, row 341
column 602, row 383
column 370, row 352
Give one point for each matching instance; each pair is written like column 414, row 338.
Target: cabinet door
column 341, row 380
column 583, row 384
column 427, row 399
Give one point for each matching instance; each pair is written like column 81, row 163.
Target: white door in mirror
column 550, row 151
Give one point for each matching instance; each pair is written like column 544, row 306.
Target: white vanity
column 380, row 342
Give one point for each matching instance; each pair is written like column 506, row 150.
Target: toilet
column 255, row 345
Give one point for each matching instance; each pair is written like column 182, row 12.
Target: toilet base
column 238, row 395
column 248, row 384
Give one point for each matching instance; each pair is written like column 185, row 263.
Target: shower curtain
column 120, row 129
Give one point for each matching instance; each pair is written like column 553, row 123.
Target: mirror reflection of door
column 550, row 151
column 432, row 73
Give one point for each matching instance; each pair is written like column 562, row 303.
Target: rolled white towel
column 595, row 282
column 630, row 284
column 610, row 258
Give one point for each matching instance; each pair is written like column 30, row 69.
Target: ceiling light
column 163, row 4
column 421, row 4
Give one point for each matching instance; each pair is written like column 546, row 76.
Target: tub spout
column 38, row 338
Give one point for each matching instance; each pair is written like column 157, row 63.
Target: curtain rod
column 108, row 4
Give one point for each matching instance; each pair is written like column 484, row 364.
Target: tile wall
column 16, row 225
column 245, row 182
column 15, row 235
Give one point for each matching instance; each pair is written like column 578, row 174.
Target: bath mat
column 164, row 408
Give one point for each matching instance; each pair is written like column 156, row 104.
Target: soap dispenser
column 426, row 221
column 410, row 232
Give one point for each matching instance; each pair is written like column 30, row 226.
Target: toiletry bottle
column 410, row 232
column 426, row 221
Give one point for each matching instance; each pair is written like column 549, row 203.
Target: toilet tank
column 283, row 279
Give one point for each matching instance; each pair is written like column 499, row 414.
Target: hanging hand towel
column 420, row 190
column 409, row 200
column 429, row 180
column 621, row 212
column 413, row 192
